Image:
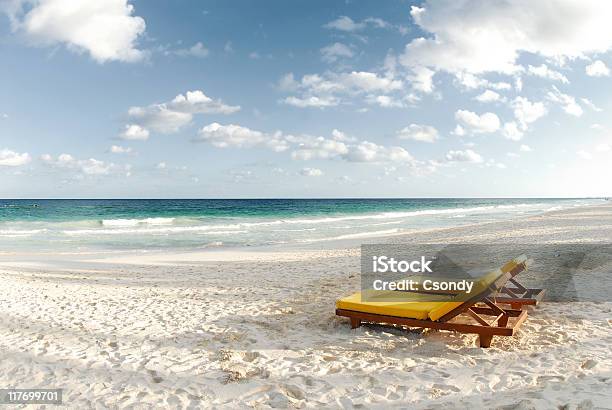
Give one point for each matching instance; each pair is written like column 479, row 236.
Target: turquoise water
column 155, row 224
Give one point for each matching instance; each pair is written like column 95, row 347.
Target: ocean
column 147, row 224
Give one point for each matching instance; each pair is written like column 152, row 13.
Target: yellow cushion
column 413, row 310
column 421, row 306
column 479, row 286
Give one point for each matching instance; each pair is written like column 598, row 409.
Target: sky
column 317, row 98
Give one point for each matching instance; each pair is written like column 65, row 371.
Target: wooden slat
column 403, row 321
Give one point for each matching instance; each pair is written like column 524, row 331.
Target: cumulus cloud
column 312, row 101
column 304, row 147
column 488, row 96
column 512, row 131
column 171, row 116
column 197, row 50
column 118, row 149
column 525, row 148
column 9, row 158
column 544, row 72
column 463, row 156
column 527, row 112
column 311, row 172
column 335, row 51
column 106, row 29
column 317, row 148
column 416, row 132
column 328, row 90
column 477, row 124
column 470, row 81
column 366, row 151
column 225, row 136
column 597, row 69
column 480, row 36
column 347, row 24
column 590, row 104
column 89, row 166
column 134, row 132
column 385, row 101
column 567, row 102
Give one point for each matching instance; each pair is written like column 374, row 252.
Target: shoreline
column 240, row 252
column 257, row 329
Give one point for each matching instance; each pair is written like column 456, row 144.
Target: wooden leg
column 515, row 305
column 503, row 321
column 355, row 323
column 485, row 340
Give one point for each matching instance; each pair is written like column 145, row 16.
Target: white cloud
column 317, row 148
column 488, row 96
column 161, row 165
column 134, row 132
column 477, row 124
column 512, row 131
column 590, row 104
column 567, row 102
column 348, row 149
column 416, row 132
column 254, row 55
column 327, row 90
column 385, row 101
column 333, row 52
column 4, row 116
column 106, row 29
column 304, row 147
column 118, row 149
column 311, row 172
column 470, row 81
column 525, row 148
column 197, row 50
column 89, row 166
column 347, row 24
column 463, row 156
column 545, row 72
column 527, row 112
column 366, row 151
column 603, row 147
column 171, row 116
column 10, row 158
column 584, row 155
column 597, row 69
column 311, row 101
column 287, row 83
column 478, row 36
column 224, row 136
column 422, row 79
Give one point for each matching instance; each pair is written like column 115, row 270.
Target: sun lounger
column 515, row 295
column 518, row 295
column 460, row 313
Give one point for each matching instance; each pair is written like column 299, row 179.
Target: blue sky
column 121, row 98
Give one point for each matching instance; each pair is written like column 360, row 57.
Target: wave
column 136, row 222
column 370, row 234
column 17, row 233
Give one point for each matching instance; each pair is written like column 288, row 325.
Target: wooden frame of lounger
column 519, row 295
column 499, row 326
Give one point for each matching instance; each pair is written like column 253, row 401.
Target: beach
column 256, row 328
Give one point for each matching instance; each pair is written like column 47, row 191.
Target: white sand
column 242, row 329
